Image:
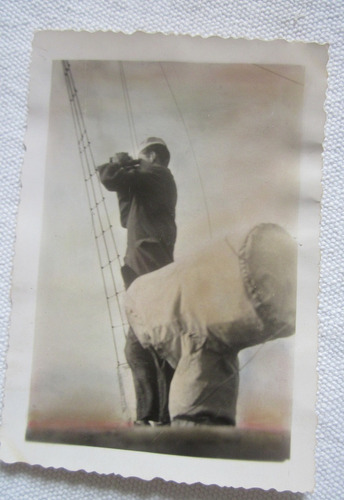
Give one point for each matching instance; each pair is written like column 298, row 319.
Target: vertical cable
column 129, row 109
column 191, row 147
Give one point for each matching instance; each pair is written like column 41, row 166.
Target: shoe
column 141, row 423
column 158, row 424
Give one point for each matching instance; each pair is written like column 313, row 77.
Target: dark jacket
column 147, row 200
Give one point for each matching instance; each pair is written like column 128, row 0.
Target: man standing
column 147, row 198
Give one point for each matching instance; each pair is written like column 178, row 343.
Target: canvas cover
column 199, row 312
column 186, row 297
column 215, row 289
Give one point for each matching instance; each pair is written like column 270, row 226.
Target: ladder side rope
column 82, row 152
column 91, row 172
column 84, row 135
column 81, row 135
column 88, row 177
column 128, row 107
column 94, row 202
column 191, row 146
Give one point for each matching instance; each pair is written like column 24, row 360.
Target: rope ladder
column 106, row 246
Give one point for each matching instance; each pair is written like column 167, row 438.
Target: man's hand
column 119, row 172
column 122, row 159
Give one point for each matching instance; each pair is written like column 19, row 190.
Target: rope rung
column 110, row 262
column 97, row 204
column 87, row 179
column 81, row 138
column 122, row 326
column 107, row 229
column 72, row 96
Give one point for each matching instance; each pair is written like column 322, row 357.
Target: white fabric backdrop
column 313, row 20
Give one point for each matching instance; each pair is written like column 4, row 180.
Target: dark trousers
column 151, row 375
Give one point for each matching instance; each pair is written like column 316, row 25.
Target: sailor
column 147, row 197
column 199, row 312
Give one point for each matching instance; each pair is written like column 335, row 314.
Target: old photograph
column 173, row 248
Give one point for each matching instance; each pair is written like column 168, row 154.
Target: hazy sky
column 233, row 134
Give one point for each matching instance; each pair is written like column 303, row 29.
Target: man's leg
column 204, row 389
column 142, row 367
column 152, row 376
column 145, row 379
column 164, row 373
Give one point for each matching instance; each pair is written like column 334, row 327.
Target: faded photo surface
column 174, row 257
column 233, row 132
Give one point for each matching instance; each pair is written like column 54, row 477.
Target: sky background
column 233, row 134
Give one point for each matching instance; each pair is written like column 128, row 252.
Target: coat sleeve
column 115, row 177
column 144, row 181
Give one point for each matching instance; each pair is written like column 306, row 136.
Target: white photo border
column 295, row 474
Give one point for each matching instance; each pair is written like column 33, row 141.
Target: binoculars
column 124, row 160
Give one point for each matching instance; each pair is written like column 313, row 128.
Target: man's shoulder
column 164, row 174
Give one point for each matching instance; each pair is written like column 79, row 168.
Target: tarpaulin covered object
column 199, row 312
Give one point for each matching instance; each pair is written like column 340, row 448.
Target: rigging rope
column 235, row 371
column 258, row 349
column 191, row 147
column 269, row 70
column 101, row 224
column 129, row 110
